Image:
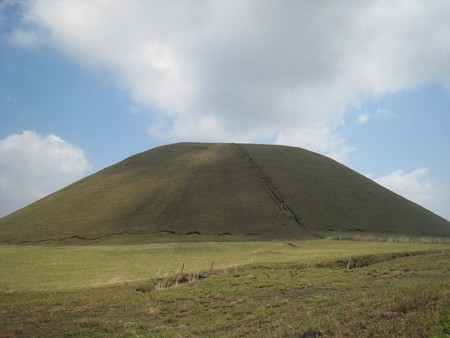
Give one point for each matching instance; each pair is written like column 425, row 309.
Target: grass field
column 263, row 288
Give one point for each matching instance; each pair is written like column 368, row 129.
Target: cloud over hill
column 32, row 166
column 280, row 70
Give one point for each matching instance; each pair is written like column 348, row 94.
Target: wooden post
column 212, row 263
column 182, row 268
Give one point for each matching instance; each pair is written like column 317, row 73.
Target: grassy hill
column 220, row 189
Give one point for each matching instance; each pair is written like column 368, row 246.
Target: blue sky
column 84, row 84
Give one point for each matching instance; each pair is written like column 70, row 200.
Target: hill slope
column 220, row 189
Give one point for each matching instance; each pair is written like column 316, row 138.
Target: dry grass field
column 263, row 288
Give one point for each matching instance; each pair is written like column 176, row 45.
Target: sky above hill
column 84, row 84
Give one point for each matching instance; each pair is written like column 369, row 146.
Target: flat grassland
column 260, row 288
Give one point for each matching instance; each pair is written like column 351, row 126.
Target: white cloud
column 29, row 39
column 413, row 185
column 363, row 118
column 32, row 166
column 417, row 187
column 318, row 138
column 250, row 69
column 384, row 113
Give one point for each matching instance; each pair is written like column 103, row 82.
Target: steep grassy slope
column 220, row 189
column 330, row 196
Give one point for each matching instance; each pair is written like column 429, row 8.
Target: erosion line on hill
column 81, row 237
column 267, row 183
column 73, row 237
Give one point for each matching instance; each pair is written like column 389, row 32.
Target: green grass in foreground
column 50, row 268
column 276, row 295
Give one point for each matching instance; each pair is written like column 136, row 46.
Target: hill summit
column 219, row 189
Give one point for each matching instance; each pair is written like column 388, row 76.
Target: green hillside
column 220, row 189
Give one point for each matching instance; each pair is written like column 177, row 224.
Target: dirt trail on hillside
column 267, row 183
